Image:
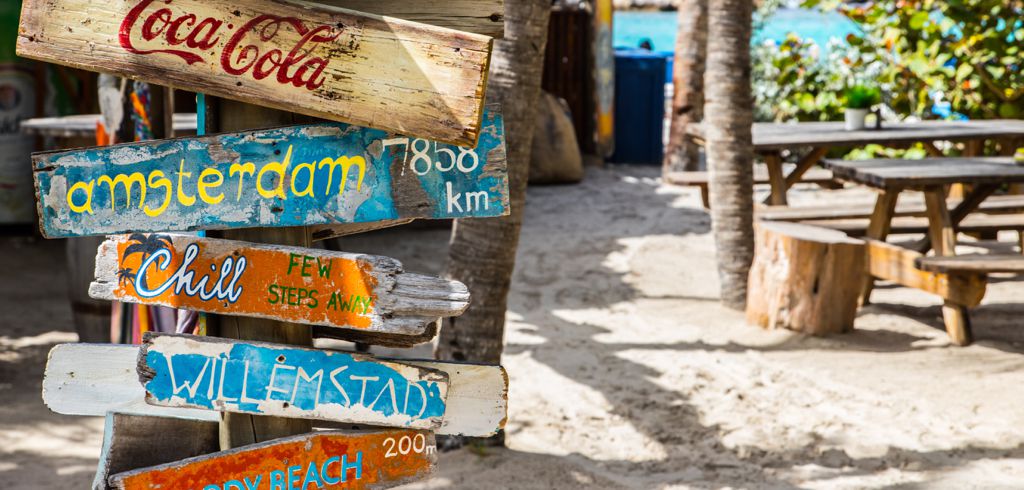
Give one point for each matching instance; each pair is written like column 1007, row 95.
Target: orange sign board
column 317, row 287
column 329, row 459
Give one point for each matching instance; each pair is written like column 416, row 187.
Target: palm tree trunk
column 688, row 83
column 482, row 252
column 729, row 110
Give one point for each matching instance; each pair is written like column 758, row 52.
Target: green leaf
column 918, row 20
column 963, row 71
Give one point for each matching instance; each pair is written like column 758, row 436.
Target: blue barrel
column 639, row 106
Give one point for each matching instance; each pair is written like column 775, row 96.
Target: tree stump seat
column 804, row 278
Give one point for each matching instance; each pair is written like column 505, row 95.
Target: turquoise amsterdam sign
column 302, row 175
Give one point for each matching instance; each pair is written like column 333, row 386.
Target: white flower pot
column 855, row 118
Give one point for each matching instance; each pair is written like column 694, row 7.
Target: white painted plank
column 93, row 379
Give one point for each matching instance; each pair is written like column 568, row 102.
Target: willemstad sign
column 269, row 379
column 294, row 176
column 95, row 379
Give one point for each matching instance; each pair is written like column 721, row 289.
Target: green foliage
column 862, row 96
column 969, row 51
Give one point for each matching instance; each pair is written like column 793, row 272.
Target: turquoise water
column 630, row 28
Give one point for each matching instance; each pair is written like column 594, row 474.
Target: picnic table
column 84, row 125
column 771, row 139
column 959, row 280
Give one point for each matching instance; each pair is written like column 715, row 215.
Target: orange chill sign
column 321, row 460
column 316, row 287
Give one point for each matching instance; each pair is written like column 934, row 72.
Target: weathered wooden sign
column 322, row 61
column 480, row 16
column 128, row 443
column 368, row 294
column 302, row 175
column 269, row 379
column 93, row 379
column 329, row 459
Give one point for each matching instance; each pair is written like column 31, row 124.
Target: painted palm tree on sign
column 144, row 244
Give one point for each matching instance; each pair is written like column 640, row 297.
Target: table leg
column 967, row 206
column 943, row 238
column 809, row 160
column 878, row 229
column 776, row 178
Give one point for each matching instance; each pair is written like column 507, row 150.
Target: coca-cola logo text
column 246, row 50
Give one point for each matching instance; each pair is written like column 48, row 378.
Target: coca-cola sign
column 240, row 47
column 343, row 65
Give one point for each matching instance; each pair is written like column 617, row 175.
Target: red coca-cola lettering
column 296, row 67
column 162, row 15
column 238, row 61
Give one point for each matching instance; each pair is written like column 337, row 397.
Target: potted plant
column 859, row 99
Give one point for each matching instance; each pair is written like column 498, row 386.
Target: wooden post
column 940, row 228
column 242, row 429
column 878, row 229
column 776, row 178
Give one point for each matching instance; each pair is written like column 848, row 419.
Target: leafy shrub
column 862, row 97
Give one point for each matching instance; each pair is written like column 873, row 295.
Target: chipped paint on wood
column 269, row 379
column 327, row 62
column 330, row 459
column 361, row 292
column 93, row 379
column 128, row 443
column 301, row 175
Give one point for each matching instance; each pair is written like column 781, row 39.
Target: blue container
column 639, row 106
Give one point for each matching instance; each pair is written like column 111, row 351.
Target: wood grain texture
column 897, row 264
column 327, row 62
column 477, row 402
column 779, row 136
column 283, row 381
column 292, row 176
column 330, row 459
column 93, row 379
column 128, row 443
column 897, row 173
column 801, row 278
column 485, row 17
column 365, row 293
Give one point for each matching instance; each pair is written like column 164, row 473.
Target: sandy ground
column 625, row 371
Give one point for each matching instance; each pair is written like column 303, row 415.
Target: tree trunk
column 729, row 111
column 482, row 252
column 688, row 85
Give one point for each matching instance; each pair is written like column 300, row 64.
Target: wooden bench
column 974, row 223
column 700, row 179
column 992, row 205
column 969, row 273
column 972, row 264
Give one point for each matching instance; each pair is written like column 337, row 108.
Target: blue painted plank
column 301, row 175
column 268, row 379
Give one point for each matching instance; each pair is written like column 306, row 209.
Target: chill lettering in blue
column 332, row 472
